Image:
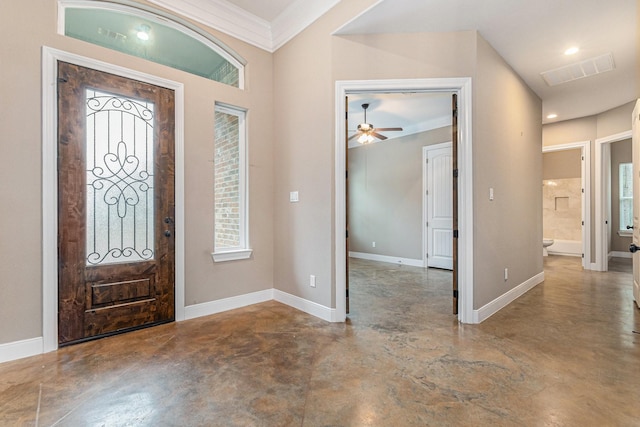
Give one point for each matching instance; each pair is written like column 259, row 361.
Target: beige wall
column 385, row 194
column 620, row 153
column 305, row 71
column 507, row 156
column 589, row 129
column 21, row 175
column 506, row 140
column 562, row 164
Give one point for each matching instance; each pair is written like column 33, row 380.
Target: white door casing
column 50, row 56
column 438, row 206
column 459, row 85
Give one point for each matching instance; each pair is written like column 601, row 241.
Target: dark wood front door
column 115, row 204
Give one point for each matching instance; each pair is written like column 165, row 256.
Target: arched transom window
column 151, row 34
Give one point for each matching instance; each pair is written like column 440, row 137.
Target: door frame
column 50, row 58
column 603, row 197
column 462, row 87
column 425, row 184
column 585, row 182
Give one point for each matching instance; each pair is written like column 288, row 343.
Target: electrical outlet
column 506, row 274
column 373, row 244
column 312, row 281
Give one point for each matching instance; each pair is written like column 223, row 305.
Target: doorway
column 460, row 87
column 562, row 204
column 603, row 197
column 50, row 58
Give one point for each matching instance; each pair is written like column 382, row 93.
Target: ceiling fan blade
column 353, row 136
column 379, row 136
column 388, row 129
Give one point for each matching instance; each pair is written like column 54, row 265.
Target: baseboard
column 309, row 307
column 34, row 346
column 231, row 303
column 620, row 254
column 389, row 259
column 20, row 349
column 486, row 311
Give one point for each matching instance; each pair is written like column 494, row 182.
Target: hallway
column 563, row 354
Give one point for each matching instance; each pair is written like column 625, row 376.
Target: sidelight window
column 626, row 196
column 230, row 182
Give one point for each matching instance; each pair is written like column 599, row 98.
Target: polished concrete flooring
column 564, row 354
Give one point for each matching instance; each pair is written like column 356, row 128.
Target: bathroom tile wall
column 562, row 211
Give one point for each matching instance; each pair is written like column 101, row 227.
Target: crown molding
column 225, row 17
column 237, row 22
column 295, row 18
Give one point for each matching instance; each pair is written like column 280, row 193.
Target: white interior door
column 636, row 200
column 439, row 206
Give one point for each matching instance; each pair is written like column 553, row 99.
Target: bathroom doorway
column 566, row 200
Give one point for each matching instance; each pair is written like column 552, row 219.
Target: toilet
column 545, row 244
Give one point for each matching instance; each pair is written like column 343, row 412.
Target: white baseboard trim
column 486, row 311
column 34, row 346
column 620, row 254
column 309, row 307
column 20, row 349
column 389, row 259
column 231, row 303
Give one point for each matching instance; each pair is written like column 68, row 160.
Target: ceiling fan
column 366, row 132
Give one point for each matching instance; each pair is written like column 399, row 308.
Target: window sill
column 233, row 255
column 625, row 233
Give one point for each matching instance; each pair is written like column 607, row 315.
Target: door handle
column 633, row 248
column 629, row 227
column 167, row 233
column 168, row 220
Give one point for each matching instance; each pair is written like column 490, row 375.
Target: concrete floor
column 564, row 354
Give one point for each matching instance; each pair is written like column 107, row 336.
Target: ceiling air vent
column 579, row 70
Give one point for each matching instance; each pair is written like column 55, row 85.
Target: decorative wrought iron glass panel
column 119, row 153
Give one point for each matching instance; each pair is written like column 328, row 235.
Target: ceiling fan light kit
column 367, row 132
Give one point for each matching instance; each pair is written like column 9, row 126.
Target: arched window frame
column 160, row 17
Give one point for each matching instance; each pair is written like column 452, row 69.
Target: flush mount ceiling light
column 572, row 50
column 143, row 32
column 552, row 116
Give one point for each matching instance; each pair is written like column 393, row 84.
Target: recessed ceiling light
column 552, row 116
column 572, row 50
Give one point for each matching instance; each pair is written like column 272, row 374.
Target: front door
column 439, row 207
column 115, row 204
column 635, row 144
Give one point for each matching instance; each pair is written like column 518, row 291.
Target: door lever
column 629, row 227
column 633, row 248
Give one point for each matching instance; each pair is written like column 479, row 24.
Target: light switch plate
column 293, row 196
